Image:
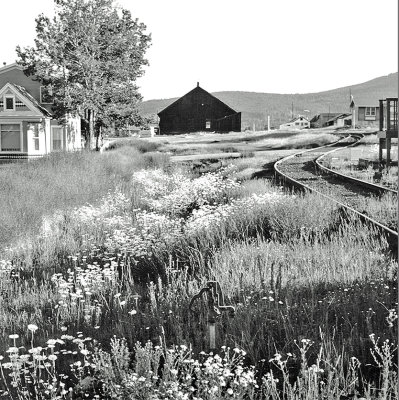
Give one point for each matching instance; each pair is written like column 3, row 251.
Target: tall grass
column 61, row 181
column 143, row 146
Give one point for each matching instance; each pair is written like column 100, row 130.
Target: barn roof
column 196, row 89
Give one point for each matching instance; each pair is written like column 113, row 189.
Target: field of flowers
column 97, row 305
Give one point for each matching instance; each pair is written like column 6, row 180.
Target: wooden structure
column 388, row 116
column 320, row 120
column 340, row 121
column 197, row 111
column 368, row 115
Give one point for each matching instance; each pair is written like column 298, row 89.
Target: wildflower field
column 95, row 295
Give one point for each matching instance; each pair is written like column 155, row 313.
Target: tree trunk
column 90, row 140
column 99, row 137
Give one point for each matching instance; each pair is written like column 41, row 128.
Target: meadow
column 96, row 283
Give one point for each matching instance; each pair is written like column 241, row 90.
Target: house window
column 370, row 113
column 57, row 135
column 9, row 103
column 10, row 137
column 35, row 137
column 296, row 123
column 46, row 95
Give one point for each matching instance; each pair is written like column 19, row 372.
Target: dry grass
column 33, row 190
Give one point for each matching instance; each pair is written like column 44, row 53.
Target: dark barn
column 197, row 111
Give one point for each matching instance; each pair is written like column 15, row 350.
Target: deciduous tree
column 90, row 54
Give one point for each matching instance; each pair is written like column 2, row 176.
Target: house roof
column 22, row 91
column 324, row 115
column 329, row 114
column 377, row 105
column 197, row 88
column 296, row 119
column 5, row 68
column 344, row 115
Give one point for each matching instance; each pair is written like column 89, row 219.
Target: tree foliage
column 90, row 54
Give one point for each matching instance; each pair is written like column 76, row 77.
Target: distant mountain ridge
column 255, row 107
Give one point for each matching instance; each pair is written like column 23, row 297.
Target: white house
column 299, row 122
column 27, row 128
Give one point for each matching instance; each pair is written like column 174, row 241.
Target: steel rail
column 287, row 179
column 372, row 186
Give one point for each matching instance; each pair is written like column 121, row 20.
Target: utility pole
column 268, row 123
column 292, row 110
column 352, row 108
column 350, row 98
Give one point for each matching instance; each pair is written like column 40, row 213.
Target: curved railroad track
column 304, row 170
column 379, row 189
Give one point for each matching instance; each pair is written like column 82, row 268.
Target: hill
column 255, row 107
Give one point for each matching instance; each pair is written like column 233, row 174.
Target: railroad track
column 305, row 171
column 371, row 186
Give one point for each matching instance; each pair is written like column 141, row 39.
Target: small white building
column 299, row 122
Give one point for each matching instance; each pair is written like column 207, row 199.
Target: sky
column 270, row 46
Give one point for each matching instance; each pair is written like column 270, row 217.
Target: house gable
column 14, row 74
column 15, row 101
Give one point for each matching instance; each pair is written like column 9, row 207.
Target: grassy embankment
column 310, row 285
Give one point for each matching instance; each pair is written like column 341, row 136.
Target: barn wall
column 231, row 123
